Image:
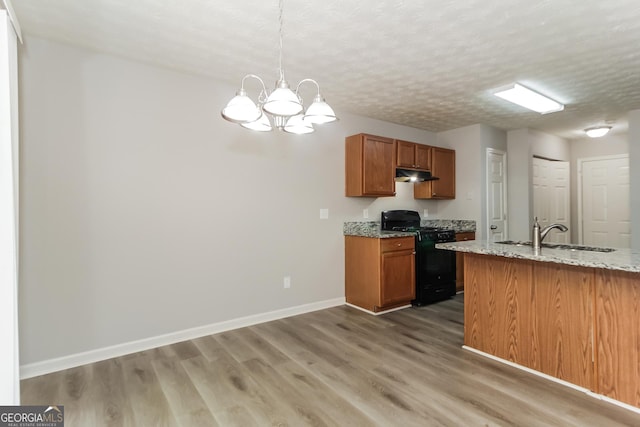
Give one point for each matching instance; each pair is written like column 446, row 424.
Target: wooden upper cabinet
column 423, row 157
column 443, row 166
column 412, row 155
column 369, row 166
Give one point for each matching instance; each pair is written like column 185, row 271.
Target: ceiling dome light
column 597, row 132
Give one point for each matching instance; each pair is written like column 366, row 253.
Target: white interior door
column 496, row 195
column 552, row 197
column 605, row 213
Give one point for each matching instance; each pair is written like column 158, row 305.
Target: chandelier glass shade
column 282, row 108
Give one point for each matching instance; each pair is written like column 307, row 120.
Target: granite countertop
column 372, row 228
column 619, row 259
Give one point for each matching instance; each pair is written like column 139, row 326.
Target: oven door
column 435, row 271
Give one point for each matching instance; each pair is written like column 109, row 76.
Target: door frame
column 580, row 161
column 488, row 188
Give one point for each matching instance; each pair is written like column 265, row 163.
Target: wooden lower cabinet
column 578, row 324
column 562, row 321
column 462, row 237
column 496, row 306
column 534, row 314
column 618, row 335
column 379, row 273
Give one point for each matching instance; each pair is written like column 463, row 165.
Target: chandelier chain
column 282, row 106
column 281, row 7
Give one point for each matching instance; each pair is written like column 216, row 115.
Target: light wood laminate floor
column 334, row 367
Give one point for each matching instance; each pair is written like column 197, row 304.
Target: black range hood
column 410, row 175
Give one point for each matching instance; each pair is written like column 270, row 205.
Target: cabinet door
column 497, row 304
column 378, row 171
column 443, row 167
column 423, row 156
column 398, row 277
column 562, row 313
column 405, row 154
column 618, row 335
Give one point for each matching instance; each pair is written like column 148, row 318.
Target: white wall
column 471, row 143
column 466, row 142
column 145, row 213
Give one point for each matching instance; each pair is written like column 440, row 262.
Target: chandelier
column 281, row 108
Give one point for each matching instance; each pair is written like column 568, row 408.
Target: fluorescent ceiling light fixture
column 527, row 98
column 597, row 132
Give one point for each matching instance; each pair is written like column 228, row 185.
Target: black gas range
column 435, row 268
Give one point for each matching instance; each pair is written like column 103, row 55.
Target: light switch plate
column 425, row 213
column 324, row 213
column 365, row 213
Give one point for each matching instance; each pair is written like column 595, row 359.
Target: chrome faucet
column 539, row 235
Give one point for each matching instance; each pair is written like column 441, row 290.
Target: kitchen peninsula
column 570, row 314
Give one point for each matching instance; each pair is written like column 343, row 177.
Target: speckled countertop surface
column 620, row 259
column 372, row 228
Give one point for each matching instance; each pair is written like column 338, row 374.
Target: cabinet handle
column 434, row 193
column 399, row 244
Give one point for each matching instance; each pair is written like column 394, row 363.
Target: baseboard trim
column 378, row 313
column 73, row 360
column 555, row 380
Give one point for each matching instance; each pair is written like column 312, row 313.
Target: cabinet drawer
column 397, row 244
column 461, row 237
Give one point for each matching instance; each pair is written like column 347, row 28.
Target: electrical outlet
column 324, row 213
column 287, row 282
column 365, row 213
column 425, row 213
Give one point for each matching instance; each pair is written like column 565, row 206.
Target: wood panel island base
column 576, row 323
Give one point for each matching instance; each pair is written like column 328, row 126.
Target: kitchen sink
column 558, row 246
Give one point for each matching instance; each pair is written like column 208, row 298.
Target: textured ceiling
column 428, row 64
